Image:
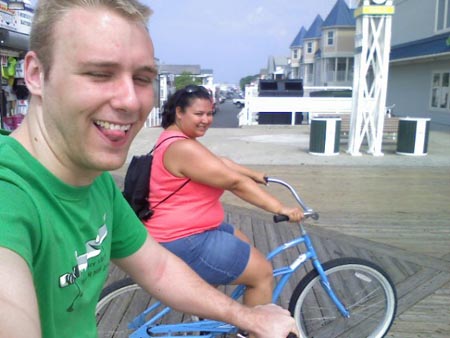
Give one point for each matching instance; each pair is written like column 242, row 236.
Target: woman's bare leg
column 257, row 277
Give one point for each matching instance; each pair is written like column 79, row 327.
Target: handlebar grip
column 284, row 218
column 280, row 218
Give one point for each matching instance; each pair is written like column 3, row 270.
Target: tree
column 247, row 80
column 186, row 79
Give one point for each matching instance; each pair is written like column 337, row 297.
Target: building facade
column 419, row 71
column 322, row 55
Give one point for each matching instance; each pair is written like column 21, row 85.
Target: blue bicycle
column 344, row 297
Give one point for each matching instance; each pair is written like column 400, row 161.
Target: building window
column 309, row 47
column 341, row 74
column 308, row 73
column 330, row 70
column 295, row 54
column 350, row 69
column 330, row 38
column 339, row 70
column 443, row 15
column 440, row 91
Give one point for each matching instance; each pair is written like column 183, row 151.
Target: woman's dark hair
column 182, row 98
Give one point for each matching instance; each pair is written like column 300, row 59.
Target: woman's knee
column 266, row 269
column 264, row 276
column 258, row 271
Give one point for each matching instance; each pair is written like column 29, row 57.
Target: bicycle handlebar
column 307, row 211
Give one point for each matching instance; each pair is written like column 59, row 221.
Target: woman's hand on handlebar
column 295, row 214
column 259, row 177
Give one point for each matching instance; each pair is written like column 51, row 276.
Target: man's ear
column 34, row 73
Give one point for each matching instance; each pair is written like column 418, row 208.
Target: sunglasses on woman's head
column 190, row 89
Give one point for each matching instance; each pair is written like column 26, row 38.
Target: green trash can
column 324, row 137
column 412, row 136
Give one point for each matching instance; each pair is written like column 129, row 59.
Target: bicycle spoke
column 365, row 293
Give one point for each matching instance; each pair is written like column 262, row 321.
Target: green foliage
column 186, row 79
column 247, row 80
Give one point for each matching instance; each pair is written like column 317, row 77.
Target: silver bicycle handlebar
column 307, row 211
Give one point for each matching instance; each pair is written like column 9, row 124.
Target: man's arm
column 167, row 278
column 19, row 314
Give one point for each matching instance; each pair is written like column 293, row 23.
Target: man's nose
column 125, row 96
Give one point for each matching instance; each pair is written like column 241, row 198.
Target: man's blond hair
column 49, row 12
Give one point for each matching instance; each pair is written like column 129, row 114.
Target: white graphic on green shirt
column 93, row 249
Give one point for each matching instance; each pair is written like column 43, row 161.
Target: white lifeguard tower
column 372, row 49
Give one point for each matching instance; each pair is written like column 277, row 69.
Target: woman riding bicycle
column 191, row 222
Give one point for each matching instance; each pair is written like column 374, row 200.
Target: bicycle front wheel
column 365, row 290
column 122, row 302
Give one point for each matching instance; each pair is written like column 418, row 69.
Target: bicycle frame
column 146, row 328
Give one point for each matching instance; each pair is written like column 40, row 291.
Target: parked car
column 239, row 102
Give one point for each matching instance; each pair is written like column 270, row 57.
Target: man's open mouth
column 112, row 126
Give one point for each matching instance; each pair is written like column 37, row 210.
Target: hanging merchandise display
column 14, row 93
column 9, row 69
column 14, row 32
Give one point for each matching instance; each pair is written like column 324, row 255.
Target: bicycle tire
column 368, row 292
column 122, row 301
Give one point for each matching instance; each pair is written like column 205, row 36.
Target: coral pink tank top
column 193, row 209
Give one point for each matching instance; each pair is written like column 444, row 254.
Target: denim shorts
column 216, row 255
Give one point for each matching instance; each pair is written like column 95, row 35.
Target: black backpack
column 137, row 183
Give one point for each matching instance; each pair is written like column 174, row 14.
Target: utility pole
column 372, row 49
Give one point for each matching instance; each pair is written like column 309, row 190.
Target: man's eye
column 144, row 79
column 100, row 75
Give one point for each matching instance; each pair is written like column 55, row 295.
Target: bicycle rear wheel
column 364, row 289
column 121, row 302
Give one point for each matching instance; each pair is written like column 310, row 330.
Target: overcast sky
column 234, row 38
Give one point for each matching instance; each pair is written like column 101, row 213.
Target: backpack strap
column 182, row 185
column 172, row 193
column 168, row 138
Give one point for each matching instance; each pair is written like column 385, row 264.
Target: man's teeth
column 112, row 126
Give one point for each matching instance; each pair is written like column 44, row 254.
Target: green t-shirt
column 66, row 234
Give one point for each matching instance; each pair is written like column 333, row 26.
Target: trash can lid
column 326, row 118
column 414, row 118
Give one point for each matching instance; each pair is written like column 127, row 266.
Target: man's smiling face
column 99, row 90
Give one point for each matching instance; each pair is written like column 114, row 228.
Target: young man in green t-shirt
column 90, row 73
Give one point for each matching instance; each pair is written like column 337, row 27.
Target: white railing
column 153, row 119
column 310, row 105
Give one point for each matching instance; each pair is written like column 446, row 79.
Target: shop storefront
column 15, row 28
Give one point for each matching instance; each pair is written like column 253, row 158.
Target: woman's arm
column 256, row 176
column 19, row 314
column 169, row 279
column 189, row 158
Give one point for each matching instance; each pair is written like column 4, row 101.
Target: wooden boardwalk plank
column 415, row 276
